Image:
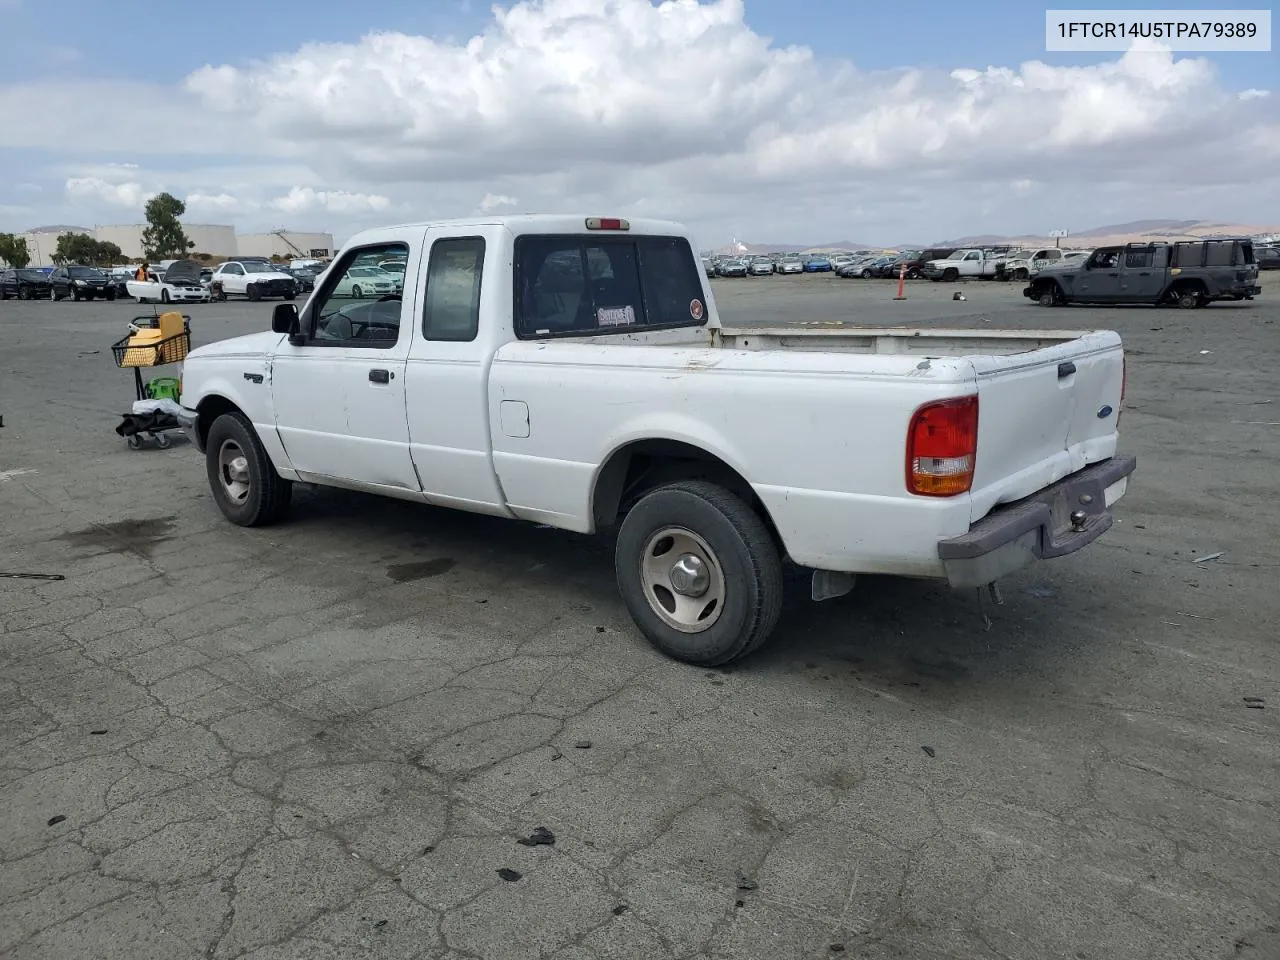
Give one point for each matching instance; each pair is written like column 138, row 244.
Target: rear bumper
column 1038, row 527
column 189, row 421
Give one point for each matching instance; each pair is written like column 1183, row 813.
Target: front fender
column 245, row 383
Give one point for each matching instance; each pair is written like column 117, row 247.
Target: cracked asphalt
column 326, row 739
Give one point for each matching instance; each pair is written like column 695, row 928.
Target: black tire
column 740, row 547
column 164, row 295
column 75, row 295
column 355, row 291
column 913, row 274
column 267, row 494
column 253, row 292
column 1021, row 274
column 866, row 274
column 950, row 275
column 1048, row 297
column 111, row 295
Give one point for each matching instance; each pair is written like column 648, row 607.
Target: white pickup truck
column 968, row 264
column 574, row 372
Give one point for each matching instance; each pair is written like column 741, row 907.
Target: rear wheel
column 1189, row 298
column 253, row 292
column 244, row 482
column 699, row 572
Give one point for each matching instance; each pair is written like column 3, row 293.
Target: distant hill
column 1134, row 231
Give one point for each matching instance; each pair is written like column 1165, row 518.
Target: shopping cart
column 153, row 341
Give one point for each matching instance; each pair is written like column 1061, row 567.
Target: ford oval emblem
column 1104, row 412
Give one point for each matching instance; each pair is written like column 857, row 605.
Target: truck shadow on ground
column 901, row 631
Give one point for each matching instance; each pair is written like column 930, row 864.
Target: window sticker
column 615, row 316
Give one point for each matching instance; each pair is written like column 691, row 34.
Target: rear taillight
column 942, row 446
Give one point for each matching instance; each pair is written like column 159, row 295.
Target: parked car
column 120, row 277
column 24, row 284
column 853, row 268
column 562, row 411
column 1187, row 273
column 80, row 283
column 363, row 282
column 733, row 268
column 179, row 284
column 253, row 278
column 761, row 267
column 915, row 265
column 817, row 264
column 789, row 265
column 1268, row 258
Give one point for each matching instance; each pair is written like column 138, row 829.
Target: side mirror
column 284, row 318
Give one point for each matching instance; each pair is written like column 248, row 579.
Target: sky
column 783, row 121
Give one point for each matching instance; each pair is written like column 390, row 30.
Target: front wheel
column 699, row 573
column 951, row 275
column 1048, row 298
column 244, row 482
column 164, row 296
column 253, row 292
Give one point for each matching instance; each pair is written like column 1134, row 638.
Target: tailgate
column 1044, row 414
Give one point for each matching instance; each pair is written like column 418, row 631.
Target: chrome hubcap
column 233, row 471
column 682, row 580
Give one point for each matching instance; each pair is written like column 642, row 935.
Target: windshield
column 958, row 255
column 84, row 273
column 251, row 266
column 30, row 274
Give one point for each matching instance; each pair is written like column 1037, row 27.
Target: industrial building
column 215, row 239
column 285, row 243
column 43, row 241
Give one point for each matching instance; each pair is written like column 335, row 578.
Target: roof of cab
column 537, row 223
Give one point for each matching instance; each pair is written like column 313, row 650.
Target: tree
column 107, row 253
column 83, row 249
column 163, row 238
column 13, row 250
column 75, row 248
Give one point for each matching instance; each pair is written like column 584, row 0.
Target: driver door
column 1100, row 278
column 339, row 395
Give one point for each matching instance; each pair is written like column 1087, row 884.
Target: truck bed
column 915, row 341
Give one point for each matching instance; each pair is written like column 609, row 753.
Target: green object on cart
column 164, row 388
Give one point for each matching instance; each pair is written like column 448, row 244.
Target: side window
column 451, row 310
column 973, row 256
column 1219, row 253
column 1138, row 258
column 672, row 287
column 359, row 305
column 235, row 269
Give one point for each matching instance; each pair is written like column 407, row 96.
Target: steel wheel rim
column 682, row 580
column 233, row 471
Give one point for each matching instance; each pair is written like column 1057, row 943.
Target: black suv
column 24, row 284
column 80, row 283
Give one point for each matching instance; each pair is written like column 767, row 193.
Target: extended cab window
column 582, row 285
column 360, row 304
column 1138, row 258
column 452, row 308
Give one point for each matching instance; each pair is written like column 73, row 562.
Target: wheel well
column 210, row 409
column 640, row 466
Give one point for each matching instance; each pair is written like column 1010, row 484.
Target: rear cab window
column 587, row 285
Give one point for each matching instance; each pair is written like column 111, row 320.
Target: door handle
column 379, row 376
column 1066, row 369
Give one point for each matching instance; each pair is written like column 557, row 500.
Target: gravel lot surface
column 326, row 740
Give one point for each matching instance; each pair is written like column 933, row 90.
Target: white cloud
column 592, row 104
column 1253, row 93
column 97, row 191
column 493, row 201
column 305, row 199
column 221, row 202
